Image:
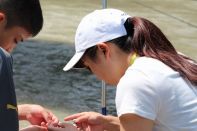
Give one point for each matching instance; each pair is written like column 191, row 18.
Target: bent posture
column 156, row 86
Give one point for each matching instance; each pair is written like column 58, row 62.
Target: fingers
column 80, row 119
column 62, row 127
column 49, row 117
column 55, row 120
column 62, row 124
column 71, row 117
column 43, row 124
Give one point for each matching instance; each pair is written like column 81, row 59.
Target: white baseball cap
column 99, row 26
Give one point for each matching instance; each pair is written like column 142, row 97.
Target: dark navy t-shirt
column 8, row 104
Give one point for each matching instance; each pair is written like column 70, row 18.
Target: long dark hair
column 146, row 39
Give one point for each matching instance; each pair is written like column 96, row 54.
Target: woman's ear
column 105, row 49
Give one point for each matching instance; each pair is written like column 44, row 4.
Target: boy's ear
column 3, row 20
column 104, row 48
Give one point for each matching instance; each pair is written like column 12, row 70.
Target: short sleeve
column 137, row 94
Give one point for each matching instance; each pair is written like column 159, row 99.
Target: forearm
column 112, row 123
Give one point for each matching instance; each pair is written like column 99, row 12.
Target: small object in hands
column 62, row 124
column 73, row 123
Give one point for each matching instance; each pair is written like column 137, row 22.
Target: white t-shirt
column 152, row 90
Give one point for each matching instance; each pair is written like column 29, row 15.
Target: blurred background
column 38, row 62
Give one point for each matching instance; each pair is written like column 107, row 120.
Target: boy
column 19, row 20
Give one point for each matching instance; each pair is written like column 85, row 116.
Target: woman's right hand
column 88, row 121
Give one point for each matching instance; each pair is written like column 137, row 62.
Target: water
column 40, row 78
column 38, row 63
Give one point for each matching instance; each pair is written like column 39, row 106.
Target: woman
column 156, row 86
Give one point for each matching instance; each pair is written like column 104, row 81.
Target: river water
column 40, row 79
column 38, row 62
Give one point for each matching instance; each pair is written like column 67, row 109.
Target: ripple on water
column 39, row 78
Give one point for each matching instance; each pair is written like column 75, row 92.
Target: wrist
column 23, row 111
column 111, row 123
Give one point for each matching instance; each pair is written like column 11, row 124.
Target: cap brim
column 73, row 61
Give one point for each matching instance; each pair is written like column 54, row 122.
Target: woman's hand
column 62, row 127
column 36, row 114
column 88, row 121
column 34, row 128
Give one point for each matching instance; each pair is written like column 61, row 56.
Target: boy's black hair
column 23, row 13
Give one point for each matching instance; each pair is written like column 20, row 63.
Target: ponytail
column 146, row 39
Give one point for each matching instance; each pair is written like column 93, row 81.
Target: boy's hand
column 36, row 114
column 34, row 128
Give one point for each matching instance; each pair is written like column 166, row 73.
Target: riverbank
column 177, row 19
